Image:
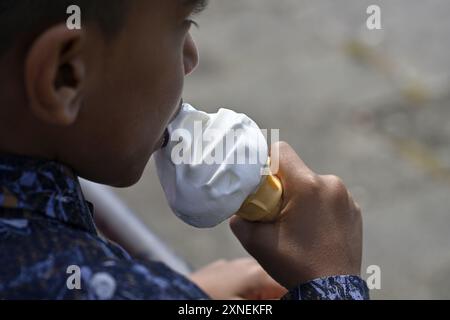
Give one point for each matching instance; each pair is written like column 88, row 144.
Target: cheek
column 128, row 106
column 164, row 87
column 161, row 96
column 149, row 91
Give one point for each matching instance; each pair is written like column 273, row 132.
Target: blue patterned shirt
column 48, row 239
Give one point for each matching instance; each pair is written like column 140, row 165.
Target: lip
column 164, row 140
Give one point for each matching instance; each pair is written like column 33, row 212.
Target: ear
column 54, row 75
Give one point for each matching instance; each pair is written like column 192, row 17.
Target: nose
column 191, row 56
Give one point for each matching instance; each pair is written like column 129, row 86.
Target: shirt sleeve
column 331, row 288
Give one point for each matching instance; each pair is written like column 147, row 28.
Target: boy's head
column 97, row 99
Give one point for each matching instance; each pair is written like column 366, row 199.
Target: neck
column 19, row 135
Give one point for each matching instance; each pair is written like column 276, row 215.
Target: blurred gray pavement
column 370, row 106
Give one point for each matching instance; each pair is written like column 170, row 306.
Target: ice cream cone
column 265, row 204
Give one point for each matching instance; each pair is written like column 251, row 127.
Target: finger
column 296, row 177
column 241, row 228
column 353, row 203
column 289, row 161
column 248, row 232
column 263, row 287
column 245, row 262
column 272, row 289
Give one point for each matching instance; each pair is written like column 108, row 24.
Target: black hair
column 22, row 18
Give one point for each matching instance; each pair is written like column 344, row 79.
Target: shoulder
column 46, row 260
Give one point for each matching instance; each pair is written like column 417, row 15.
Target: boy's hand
column 237, row 279
column 319, row 232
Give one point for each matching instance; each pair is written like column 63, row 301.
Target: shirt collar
column 45, row 188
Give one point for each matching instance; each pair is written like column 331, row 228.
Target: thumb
column 242, row 229
column 250, row 233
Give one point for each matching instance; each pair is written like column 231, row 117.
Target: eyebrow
column 196, row 5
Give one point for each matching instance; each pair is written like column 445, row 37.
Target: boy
column 95, row 103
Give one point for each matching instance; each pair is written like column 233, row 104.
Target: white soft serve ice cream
column 212, row 163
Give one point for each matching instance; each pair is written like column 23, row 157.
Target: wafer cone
column 265, row 204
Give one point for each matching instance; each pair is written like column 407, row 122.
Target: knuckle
column 359, row 213
column 357, row 208
column 221, row 262
column 256, row 271
column 336, row 189
column 282, row 145
column 312, row 183
column 337, row 185
column 282, row 150
column 247, row 262
column 357, row 219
